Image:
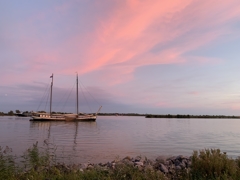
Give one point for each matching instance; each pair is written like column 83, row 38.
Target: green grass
column 33, row 164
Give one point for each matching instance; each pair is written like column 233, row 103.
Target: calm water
column 112, row 137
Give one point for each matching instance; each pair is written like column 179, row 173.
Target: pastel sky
column 141, row 56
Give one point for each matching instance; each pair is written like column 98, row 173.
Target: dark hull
column 47, row 119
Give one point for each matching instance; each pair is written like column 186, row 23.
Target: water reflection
column 110, row 137
column 61, row 133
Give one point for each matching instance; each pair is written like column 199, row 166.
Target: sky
column 131, row 56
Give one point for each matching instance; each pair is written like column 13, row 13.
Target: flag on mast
column 51, row 76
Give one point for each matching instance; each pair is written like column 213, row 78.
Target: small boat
column 64, row 117
column 23, row 114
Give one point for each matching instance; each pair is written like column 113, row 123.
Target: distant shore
column 145, row 115
column 171, row 115
column 192, row 116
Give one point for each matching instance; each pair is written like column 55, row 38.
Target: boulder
column 138, row 163
column 163, row 168
column 177, row 162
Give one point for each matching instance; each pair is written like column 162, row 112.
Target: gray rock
column 109, row 164
column 84, row 166
column 148, row 162
column 185, row 162
column 172, row 166
column 161, row 159
column 137, row 159
column 101, row 164
column 168, row 162
column 90, row 166
column 163, row 168
column 180, row 157
column 138, row 163
column 128, row 162
column 173, row 158
column 182, row 165
column 177, row 162
column 114, row 161
column 178, row 167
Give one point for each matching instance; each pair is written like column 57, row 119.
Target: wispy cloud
column 125, row 36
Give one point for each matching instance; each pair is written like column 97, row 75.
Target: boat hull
column 86, row 118
column 64, row 118
column 47, row 119
column 81, row 118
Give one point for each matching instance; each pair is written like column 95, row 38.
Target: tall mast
column 51, row 95
column 77, row 94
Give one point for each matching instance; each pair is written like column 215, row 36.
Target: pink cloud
column 128, row 33
column 162, row 104
column 195, row 93
column 235, row 107
column 122, row 40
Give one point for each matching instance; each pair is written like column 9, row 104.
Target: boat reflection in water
column 66, row 140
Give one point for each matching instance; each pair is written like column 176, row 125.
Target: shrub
column 212, row 164
column 7, row 163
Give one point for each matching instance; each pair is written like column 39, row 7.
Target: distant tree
column 17, row 111
column 10, row 113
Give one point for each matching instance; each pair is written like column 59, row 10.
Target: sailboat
column 66, row 117
column 81, row 117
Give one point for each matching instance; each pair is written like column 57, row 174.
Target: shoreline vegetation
column 37, row 163
column 186, row 116
column 192, row 116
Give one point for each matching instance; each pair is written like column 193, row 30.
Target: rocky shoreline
column 170, row 167
column 205, row 164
